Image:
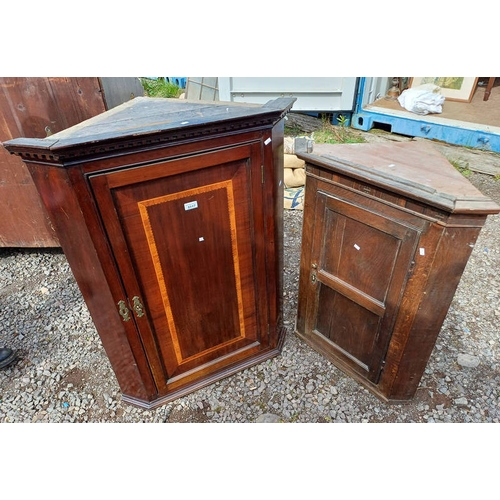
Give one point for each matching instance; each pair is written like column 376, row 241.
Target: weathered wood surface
column 484, row 162
column 37, row 108
column 306, row 123
column 414, row 169
column 477, row 160
column 24, row 221
column 411, row 234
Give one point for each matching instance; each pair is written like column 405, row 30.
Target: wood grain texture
column 199, row 250
column 38, row 107
column 95, row 276
column 381, row 259
column 25, row 222
column 178, row 226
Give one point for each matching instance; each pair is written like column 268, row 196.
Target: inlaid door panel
column 184, row 244
column 360, row 264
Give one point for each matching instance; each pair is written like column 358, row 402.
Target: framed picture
column 454, row 88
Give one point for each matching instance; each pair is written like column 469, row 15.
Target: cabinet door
column 360, row 261
column 183, row 233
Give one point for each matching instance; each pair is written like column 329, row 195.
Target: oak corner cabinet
column 388, row 229
column 170, row 213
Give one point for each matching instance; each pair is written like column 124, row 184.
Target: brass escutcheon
column 138, row 307
column 123, row 310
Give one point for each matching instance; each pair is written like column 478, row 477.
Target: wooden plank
column 24, row 222
column 484, row 162
column 30, row 105
column 36, row 107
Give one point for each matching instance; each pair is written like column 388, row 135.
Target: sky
column 258, row 38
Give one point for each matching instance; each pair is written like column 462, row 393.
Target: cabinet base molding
column 211, row 379
column 346, row 369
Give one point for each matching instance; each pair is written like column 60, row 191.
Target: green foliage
column 462, row 167
column 160, row 88
column 342, row 121
column 336, row 134
column 328, row 133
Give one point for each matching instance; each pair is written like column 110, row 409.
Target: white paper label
column 267, row 141
column 191, row 205
column 201, row 238
column 422, row 251
column 357, row 247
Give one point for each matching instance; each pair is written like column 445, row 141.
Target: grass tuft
column 160, row 88
column 336, row 134
column 329, row 133
column 462, row 167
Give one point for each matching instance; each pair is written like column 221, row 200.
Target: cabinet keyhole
column 138, row 307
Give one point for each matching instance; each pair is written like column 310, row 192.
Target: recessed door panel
column 360, row 263
column 184, row 244
column 348, row 325
column 363, row 257
column 197, row 266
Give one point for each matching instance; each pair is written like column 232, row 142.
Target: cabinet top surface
column 415, row 169
column 144, row 116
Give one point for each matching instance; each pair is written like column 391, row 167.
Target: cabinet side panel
column 452, row 254
column 63, row 208
column 306, row 291
column 275, row 251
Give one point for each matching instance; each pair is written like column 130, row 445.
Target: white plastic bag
column 423, row 99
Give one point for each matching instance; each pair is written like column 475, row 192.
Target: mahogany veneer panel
column 170, row 215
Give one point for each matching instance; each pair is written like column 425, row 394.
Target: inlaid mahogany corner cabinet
column 388, row 229
column 170, row 213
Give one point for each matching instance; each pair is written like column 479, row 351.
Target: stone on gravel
column 267, row 418
column 468, row 361
column 61, row 358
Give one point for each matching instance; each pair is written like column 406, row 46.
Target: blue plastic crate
column 177, row 80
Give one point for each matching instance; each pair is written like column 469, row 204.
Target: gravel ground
column 63, row 374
